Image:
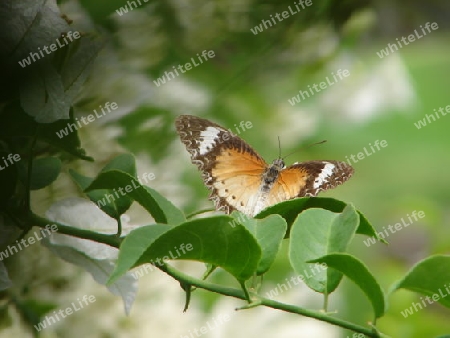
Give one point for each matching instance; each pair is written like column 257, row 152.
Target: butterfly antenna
column 279, row 147
column 303, row 148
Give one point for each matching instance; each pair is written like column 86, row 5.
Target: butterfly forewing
column 240, row 179
column 231, row 169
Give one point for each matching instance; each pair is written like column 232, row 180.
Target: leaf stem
column 325, row 302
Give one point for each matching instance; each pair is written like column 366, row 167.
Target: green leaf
column 429, row 277
column 110, row 204
column 316, row 233
column 357, row 271
column 290, row 209
column 269, row 232
column 210, row 240
column 44, row 171
column 162, row 210
column 134, row 245
column 172, row 214
column 123, row 162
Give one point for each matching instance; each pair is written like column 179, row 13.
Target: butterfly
column 240, row 179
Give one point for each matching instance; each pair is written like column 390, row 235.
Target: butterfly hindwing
column 309, row 178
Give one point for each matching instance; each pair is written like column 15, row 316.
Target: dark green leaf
column 111, row 204
column 316, row 233
column 162, row 210
column 210, row 240
column 44, row 171
column 355, row 270
column 63, row 134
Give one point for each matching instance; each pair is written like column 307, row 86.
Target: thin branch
column 236, row 293
column 111, row 240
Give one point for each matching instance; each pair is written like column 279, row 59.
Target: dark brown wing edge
column 340, row 173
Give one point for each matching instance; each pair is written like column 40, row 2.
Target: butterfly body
column 239, row 179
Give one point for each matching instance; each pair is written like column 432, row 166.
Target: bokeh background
column 251, row 78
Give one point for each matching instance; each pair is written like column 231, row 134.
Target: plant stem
column 111, row 240
column 236, row 293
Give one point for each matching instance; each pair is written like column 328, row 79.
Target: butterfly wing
column 308, row 179
column 231, row 169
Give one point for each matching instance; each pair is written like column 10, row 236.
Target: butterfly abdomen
column 271, row 174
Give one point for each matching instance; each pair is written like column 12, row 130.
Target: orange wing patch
column 289, row 184
column 232, row 162
column 237, row 178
